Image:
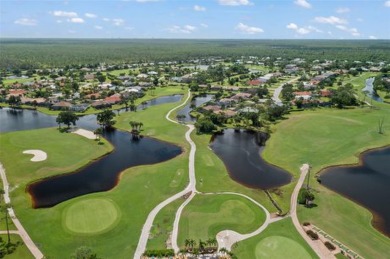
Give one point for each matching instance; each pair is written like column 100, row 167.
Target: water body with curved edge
column 101, row 175
column 367, row 184
column 369, row 89
column 195, row 102
column 241, row 154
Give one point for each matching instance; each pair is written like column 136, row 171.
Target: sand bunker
column 39, row 155
column 85, row 133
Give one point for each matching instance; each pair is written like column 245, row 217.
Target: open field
column 279, row 240
column 329, row 137
column 206, row 215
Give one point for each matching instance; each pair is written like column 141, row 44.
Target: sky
column 192, row 19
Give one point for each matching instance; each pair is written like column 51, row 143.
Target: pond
column 367, row 184
column 241, row 154
column 195, row 102
column 369, row 89
column 101, row 175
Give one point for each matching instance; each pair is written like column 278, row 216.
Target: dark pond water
column 240, row 151
column 103, row 174
column 195, row 102
column 367, row 184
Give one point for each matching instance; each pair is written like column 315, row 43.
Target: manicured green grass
column 329, row 137
column 206, row 215
column 212, row 175
column 91, row 216
column 278, row 240
column 139, row 190
column 21, row 250
column 279, row 247
column 163, row 225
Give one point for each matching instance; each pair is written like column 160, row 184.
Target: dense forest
column 35, row 53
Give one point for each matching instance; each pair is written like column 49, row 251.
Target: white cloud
column 199, row 8
column 302, row 30
column 97, row 27
column 187, row 29
column 71, row 31
column 387, row 3
column 372, row 37
column 76, row 20
column 248, row 29
column 59, row 21
column 204, row 25
column 292, row 26
column 106, row 19
column 234, row 2
column 26, row 22
column 330, row 20
column 118, row 21
column 302, row 3
column 90, row 15
column 352, row 31
column 64, row 14
column 343, row 10
column 312, row 28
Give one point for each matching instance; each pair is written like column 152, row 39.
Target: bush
column 313, row 235
column 159, row 253
column 306, row 223
column 329, row 245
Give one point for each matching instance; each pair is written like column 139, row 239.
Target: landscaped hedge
column 159, row 253
column 330, row 246
column 313, row 235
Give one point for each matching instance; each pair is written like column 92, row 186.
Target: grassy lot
column 278, row 240
column 329, row 137
column 21, row 250
column 139, row 190
column 206, row 215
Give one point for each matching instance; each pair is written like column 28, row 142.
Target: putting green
column 91, row 216
column 280, row 247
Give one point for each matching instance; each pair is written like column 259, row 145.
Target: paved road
column 20, row 229
column 318, row 247
column 278, row 90
column 190, row 188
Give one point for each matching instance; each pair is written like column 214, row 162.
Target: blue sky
column 232, row 19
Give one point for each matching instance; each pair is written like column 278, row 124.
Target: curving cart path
column 317, row 246
column 190, row 187
column 20, row 229
column 227, row 238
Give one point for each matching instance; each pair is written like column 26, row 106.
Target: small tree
column 106, row 118
column 84, row 252
column 67, row 118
